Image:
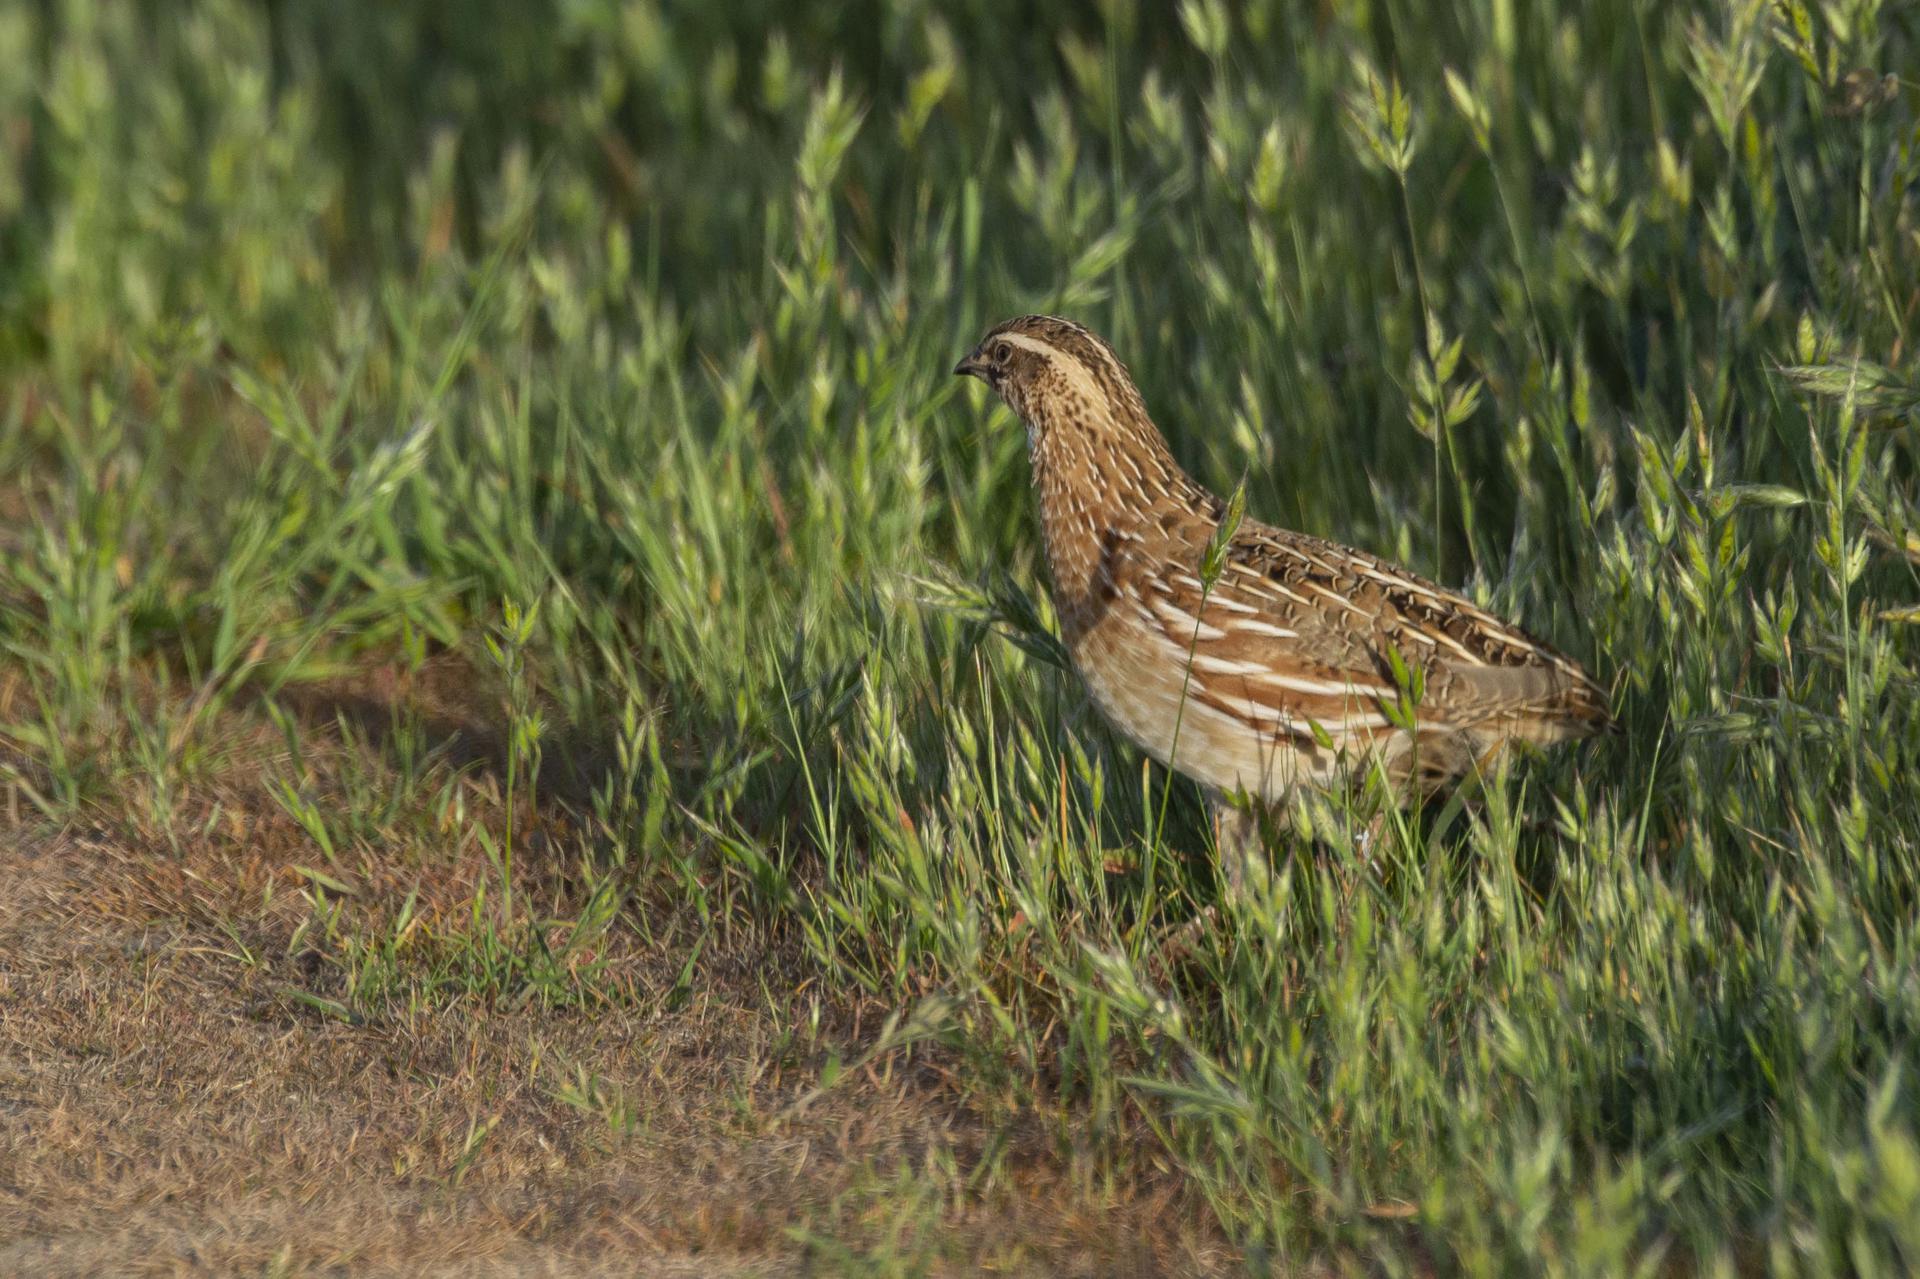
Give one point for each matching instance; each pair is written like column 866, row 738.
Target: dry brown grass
column 167, row 1106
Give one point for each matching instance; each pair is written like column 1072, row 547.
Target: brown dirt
column 167, row 1106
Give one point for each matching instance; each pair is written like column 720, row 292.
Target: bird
column 1257, row 661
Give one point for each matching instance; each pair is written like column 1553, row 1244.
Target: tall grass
column 608, row 344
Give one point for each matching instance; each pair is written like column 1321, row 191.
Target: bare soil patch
column 169, row 1103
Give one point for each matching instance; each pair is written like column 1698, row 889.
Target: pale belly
column 1140, row 687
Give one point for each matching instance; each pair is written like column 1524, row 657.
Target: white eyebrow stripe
column 1077, row 376
column 1026, row 343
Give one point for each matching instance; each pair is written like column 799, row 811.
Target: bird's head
column 1052, row 372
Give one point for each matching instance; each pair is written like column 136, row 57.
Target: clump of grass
column 648, row 320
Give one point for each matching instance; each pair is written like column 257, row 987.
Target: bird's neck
column 1112, row 500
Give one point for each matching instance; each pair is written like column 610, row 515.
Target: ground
column 533, row 730
column 170, row 1103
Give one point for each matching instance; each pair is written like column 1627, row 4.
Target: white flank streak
column 1286, row 720
column 1343, row 727
column 1226, row 666
column 1262, row 582
column 1340, row 599
column 1406, row 584
column 1184, row 625
column 1261, row 628
column 1307, row 557
column 1328, row 688
column 1454, row 644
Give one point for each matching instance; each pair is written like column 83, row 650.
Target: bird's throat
column 1109, row 501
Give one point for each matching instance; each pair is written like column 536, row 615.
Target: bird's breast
column 1139, row 683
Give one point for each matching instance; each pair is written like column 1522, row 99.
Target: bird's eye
column 1002, row 353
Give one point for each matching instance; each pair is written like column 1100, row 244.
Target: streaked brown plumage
column 1295, row 633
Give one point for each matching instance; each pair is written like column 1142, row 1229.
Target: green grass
column 604, row 348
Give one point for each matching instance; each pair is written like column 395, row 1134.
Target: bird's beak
column 972, row 366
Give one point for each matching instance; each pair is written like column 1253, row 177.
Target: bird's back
column 1295, row 664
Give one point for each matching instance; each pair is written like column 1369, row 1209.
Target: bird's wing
column 1298, row 629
